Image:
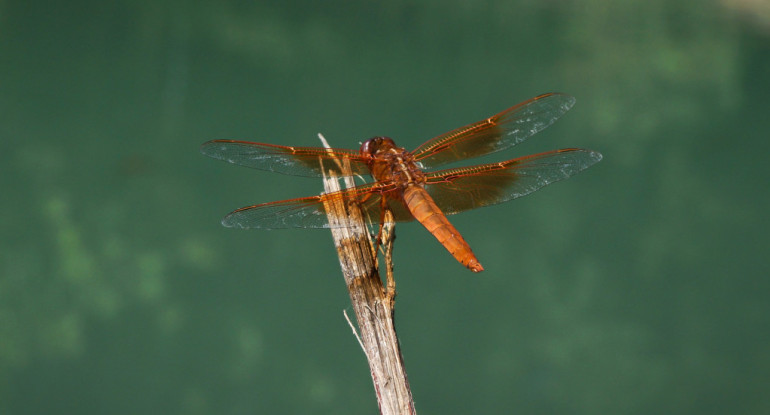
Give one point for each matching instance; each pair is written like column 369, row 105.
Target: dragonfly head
column 376, row 145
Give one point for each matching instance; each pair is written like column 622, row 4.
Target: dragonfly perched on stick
column 404, row 181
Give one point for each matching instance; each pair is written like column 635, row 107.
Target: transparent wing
column 296, row 161
column 495, row 133
column 458, row 190
column 306, row 212
column 309, row 212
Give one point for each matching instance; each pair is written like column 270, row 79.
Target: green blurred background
column 639, row 286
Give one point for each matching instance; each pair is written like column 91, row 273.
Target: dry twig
column 372, row 303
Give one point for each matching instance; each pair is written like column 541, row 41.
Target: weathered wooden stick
column 372, row 303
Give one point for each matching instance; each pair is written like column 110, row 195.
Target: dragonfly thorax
column 391, row 164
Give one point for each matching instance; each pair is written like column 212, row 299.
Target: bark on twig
column 372, row 303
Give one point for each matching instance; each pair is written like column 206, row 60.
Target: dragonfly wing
column 297, row 161
column 495, row 133
column 306, row 212
column 458, row 190
column 310, row 212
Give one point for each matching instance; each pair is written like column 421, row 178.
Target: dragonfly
column 406, row 183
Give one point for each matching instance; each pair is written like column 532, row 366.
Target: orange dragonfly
column 403, row 181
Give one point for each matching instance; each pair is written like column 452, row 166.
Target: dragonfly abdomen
column 425, row 210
